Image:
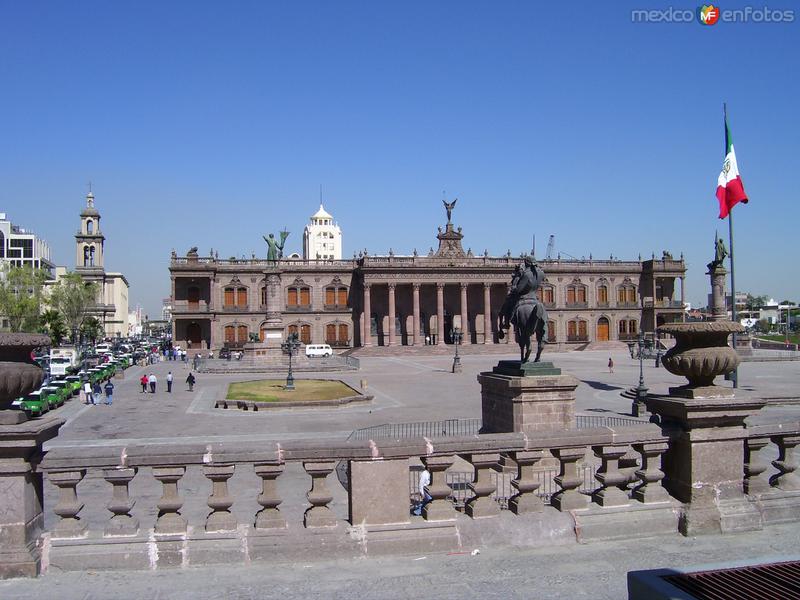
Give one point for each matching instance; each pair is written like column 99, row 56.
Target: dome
column 321, row 214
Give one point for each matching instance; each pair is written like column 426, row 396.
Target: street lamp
column 457, row 336
column 639, row 406
column 289, row 347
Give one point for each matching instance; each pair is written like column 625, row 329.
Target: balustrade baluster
column 440, row 508
column 650, row 489
column 169, row 505
column 787, row 479
column 755, row 477
column 482, row 505
column 269, row 517
column 220, row 501
column 610, row 477
column 121, row 522
column 569, row 480
column 68, row 506
column 319, row 514
column 526, row 483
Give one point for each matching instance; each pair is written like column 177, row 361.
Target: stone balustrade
column 627, row 498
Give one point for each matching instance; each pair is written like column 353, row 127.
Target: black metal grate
column 771, row 581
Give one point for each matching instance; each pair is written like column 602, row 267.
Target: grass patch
column 794, row 338
column 271, row 390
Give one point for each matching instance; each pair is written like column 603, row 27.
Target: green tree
column 52, row 323
column 74, row 298
column 92, row 329
column 21, row 297
column 754, row 302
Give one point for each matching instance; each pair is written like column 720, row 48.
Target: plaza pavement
column 405, row 389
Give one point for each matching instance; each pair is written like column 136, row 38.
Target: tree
column 92, row 329
column 754, row 302
column 52, row 323
column 74, row 298
column 21, row 297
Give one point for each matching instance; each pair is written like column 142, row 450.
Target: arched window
column 576, row 294
column 335, row 296
column 86, row 256
column 602, row 295
column 235, row 297
column 626, row 295
column 546, row 293
column 577, row 331
column 2, row 245
column 551, row 332
column 236, row 335
column 298, row 297
column 91, row 256
column 263, row 295
column 90, row 227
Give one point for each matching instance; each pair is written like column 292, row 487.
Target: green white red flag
column 730, row 190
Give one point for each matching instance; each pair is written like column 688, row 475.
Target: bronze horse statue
column 523, row 310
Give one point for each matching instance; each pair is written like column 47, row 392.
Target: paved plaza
column 406, row 388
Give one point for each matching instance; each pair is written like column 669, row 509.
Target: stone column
column 392, row 315
column 121, row 523
column 611, row 477
column 319, row 514
column 718, row 306
column 169, row 505
column 683, row 298
column 482, row 504
column 367, row 339
column 569, row 480
column 68, row 506
column 488, row 337
column 440, row 508
column 755, row 480
column 416, row 324
column 526, row 500
column 464, row 316
column 704, row 466
column 440, row 314
column 220, row 501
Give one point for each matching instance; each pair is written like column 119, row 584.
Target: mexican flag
column 730, row 190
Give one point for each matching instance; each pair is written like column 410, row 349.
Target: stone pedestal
column 717, row 274
column 703, row 466
column 378, row 492
column 527, row 398
column 21, row 517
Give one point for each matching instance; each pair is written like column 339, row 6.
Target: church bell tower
column 89, row 240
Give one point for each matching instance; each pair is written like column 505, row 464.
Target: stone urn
column 701, row 352
column 19, row 375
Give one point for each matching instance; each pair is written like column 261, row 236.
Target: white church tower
column 322, row 238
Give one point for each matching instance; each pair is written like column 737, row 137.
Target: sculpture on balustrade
column 523, row 310
column 449, row 206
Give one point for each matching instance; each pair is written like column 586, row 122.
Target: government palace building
column 412, row 300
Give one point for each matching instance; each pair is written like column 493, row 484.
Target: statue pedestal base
column 270, row 348
column 514, row 402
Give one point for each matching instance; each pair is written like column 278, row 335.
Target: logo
column 708, row 14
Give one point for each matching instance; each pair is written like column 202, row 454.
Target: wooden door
column 602, row 330
column 193, row 296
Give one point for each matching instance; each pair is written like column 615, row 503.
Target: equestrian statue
column 524, row 311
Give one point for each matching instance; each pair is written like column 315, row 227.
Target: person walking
column 169, row 382
column 610, row 365
column 143, row 381
column 98, row 393
column 190, row 381
column 87, row 393
column 109, row 389
column 424, row 496
column 152, row 380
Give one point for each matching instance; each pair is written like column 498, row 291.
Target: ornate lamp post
column 457, row 337
column 639, row 406
column 289, row 347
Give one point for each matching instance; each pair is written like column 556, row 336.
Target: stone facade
column 349, row 303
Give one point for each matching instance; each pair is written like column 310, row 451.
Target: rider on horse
column 523, row 310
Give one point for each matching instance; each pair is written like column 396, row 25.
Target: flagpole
column 730, row 246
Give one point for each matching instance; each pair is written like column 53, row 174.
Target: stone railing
column 109, row 513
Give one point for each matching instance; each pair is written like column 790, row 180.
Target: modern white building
column 21, row 248
column 322, row 237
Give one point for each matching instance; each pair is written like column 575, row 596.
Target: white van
column 318, row 350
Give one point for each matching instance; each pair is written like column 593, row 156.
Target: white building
column 112, row 301
column 19, row 247
column 322, row 238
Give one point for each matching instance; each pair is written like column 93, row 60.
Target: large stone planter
column 700, row 354
column 18, row 374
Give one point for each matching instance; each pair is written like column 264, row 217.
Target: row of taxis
column 56, row 392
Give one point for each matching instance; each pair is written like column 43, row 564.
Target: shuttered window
column 229, row 296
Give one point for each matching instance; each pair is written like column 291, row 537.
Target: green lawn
column 794, row 338
column 271, row 390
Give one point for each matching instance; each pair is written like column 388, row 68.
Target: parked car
column 34, row 404
column 64, row 389
column 225, row 353
column 313, row 350
column 52, row 395
column 75, row 382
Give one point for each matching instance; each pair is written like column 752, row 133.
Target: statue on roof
column 449, row 206
column 274, row 247
column 720, row 252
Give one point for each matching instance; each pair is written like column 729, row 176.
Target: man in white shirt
column 425, row 497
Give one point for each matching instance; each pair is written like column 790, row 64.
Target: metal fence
column 429, row 429
column 462, row 427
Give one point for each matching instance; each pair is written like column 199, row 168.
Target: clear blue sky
column 213, row 123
